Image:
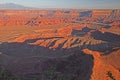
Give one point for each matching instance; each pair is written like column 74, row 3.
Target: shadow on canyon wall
column 81, row 33
column 31, row 61
column 107, row 36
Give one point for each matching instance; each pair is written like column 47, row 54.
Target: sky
column 72, row 4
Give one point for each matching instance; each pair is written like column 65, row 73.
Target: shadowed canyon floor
column 60, row 44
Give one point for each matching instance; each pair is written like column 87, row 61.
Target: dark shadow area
column 67, row 12
column 107, row 36
column 81, row 33
column 32, row 40
column 103, row 47
column 107, row 27
column 111, row 51
column 30, row 62
column 74, row 67
column 24, row 49
column 85, row 14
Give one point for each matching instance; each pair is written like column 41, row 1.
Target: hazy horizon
column 72, row 4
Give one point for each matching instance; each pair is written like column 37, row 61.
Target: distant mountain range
column 14, row 6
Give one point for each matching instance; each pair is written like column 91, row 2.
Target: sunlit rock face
column 60, row 44
column 101, row 13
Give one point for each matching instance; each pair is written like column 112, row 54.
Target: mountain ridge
column 13, row 6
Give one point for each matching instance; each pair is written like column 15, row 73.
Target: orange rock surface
column 31, row 40
column 101, row 13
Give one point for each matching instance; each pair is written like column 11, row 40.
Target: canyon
column 60, row 44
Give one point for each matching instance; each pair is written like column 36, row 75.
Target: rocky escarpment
column 56, row 17
column 69, row 45
column 65, row 56
column 102, row 67
column 106, row 16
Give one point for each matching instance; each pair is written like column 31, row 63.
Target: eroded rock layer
column 60, row 44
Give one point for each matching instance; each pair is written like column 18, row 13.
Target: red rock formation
column 26, row 37
column 101, row 13
column 101, row 69
column 65, row 31
column 39, row 43
column 115, row 24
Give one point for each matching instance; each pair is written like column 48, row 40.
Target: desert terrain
column 60, row 44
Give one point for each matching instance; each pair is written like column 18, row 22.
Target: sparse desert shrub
column 110, row 75
column 6, row 75
column 53, row 74
column 50, row 74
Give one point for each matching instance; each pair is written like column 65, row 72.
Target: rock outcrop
column 60, row 44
